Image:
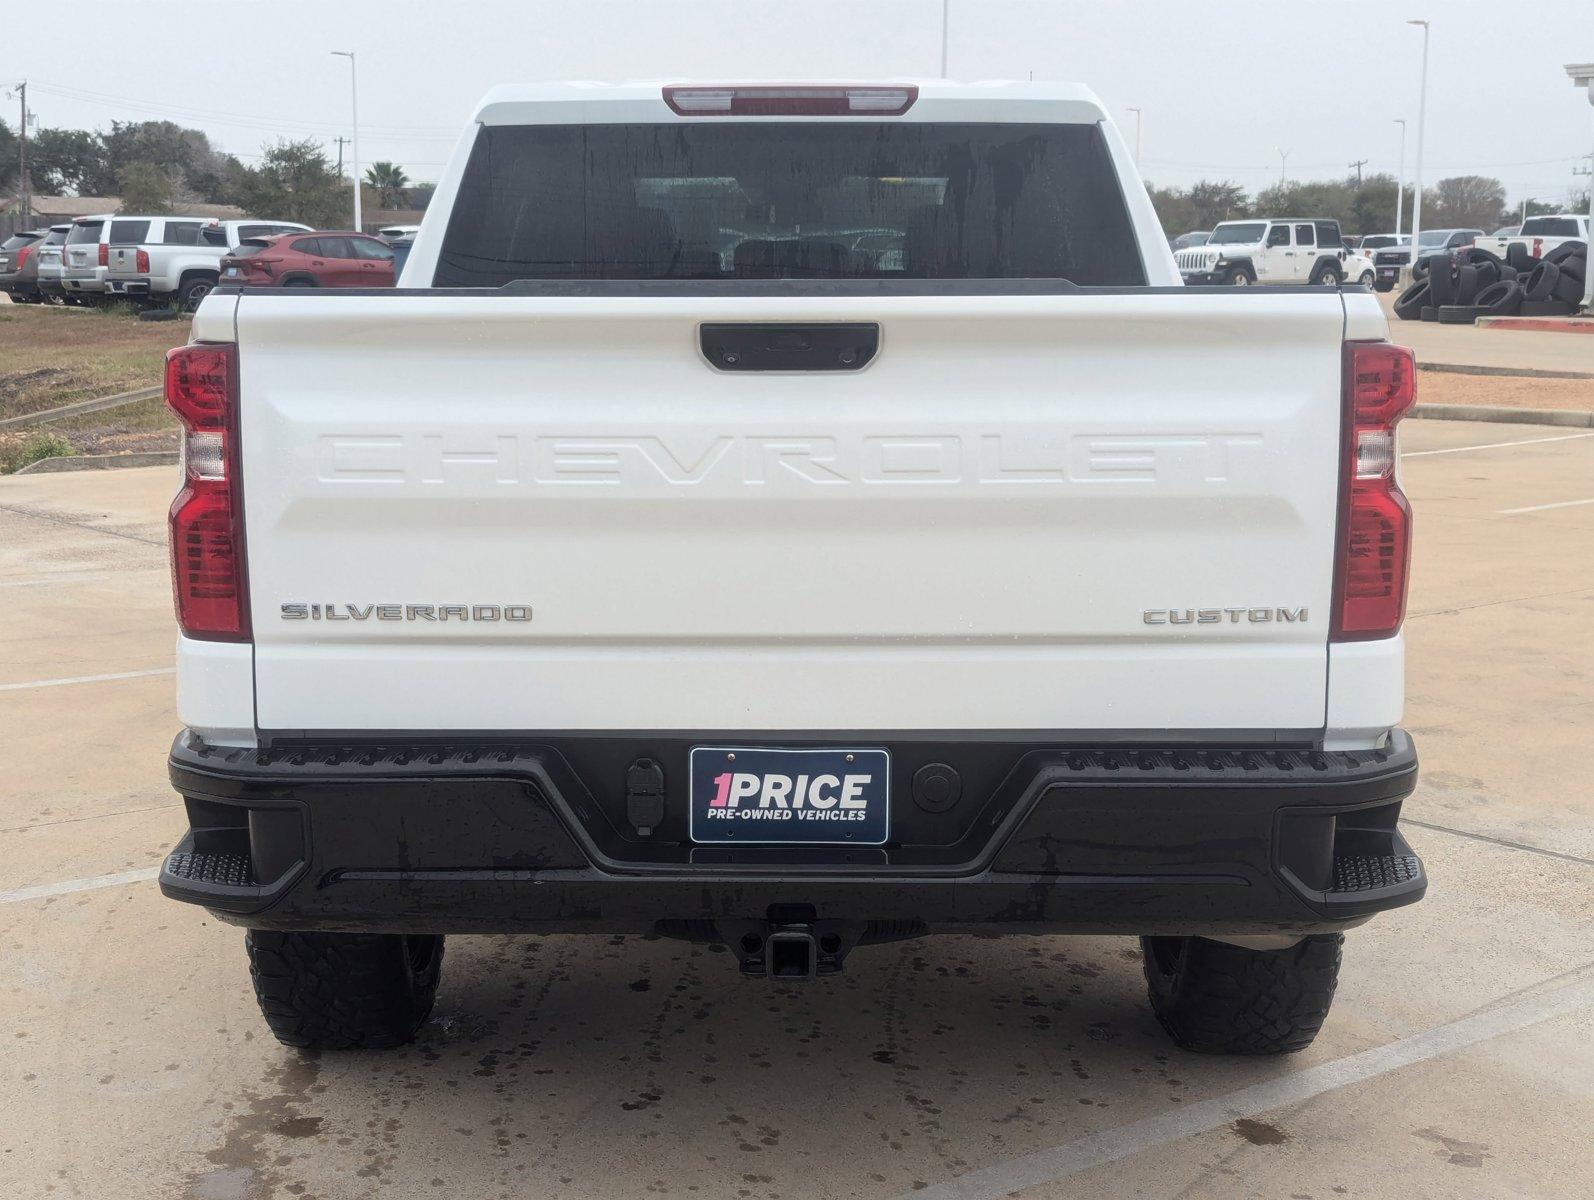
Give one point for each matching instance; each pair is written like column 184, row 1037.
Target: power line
column 429, row 133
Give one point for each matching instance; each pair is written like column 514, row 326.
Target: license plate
column 747, row 794
column 1387, row 272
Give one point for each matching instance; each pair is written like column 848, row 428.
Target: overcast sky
column 1223, row 86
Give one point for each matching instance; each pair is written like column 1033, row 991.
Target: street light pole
column 1400, row 182
column 1583, row 76
column 354, row 104
column 1136, row 111
column 1422, row 123
column 945, row 7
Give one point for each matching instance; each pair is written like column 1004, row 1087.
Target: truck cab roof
column 931, row 100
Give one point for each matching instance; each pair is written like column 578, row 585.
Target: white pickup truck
column 792, row 517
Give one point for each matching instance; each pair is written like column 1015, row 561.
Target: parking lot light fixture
column 1422, row 121
column 1582, row 75
column 354, row 104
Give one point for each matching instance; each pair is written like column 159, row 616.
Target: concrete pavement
column 1458, row 1060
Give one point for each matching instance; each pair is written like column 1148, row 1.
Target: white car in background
column 1358, row 268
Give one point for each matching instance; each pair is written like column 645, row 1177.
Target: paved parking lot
column 1458, row 1060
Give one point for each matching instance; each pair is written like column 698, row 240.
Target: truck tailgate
column 999, row 523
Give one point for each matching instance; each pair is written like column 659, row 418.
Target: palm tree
column 389, row 181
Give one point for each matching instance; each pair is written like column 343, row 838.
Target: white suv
column 1282, row 250
column 178, row 257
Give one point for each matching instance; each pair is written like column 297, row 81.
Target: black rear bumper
column 535, row 836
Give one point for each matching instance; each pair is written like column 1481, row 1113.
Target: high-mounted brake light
column 1374, row 549
column 208, row 577
column 780, row 101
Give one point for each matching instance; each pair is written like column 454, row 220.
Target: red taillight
column 1375, row 520
column 208, row 576
column 141, row 260
column 105, row 254
column 22, row 256
column 780, row 101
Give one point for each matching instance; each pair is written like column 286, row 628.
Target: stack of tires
column 1458, row 287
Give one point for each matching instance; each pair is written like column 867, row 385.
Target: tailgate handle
column 804, row 346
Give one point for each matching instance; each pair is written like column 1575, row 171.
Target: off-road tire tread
column 1230, row 1000
column 337, row 991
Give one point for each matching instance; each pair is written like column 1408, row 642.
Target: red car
column 329, row 259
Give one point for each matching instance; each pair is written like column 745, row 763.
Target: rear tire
column 344, row 991
column 1329, row 276
column 192, row 291
column 1366, row 279
column 1214, row 998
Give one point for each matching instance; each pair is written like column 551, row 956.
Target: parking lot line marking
column 1565, row 437
column 39, row 516
column 43, row 683
column 1511, row 512
column 45, row 890
column 78, row 577
column 1494, row 841
column 1114, row 1145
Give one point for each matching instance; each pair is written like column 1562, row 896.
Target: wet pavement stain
column 1259, row 1133
column 1455, row 1151
column 244, row 1167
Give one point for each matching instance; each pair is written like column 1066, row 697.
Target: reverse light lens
column 770, row 101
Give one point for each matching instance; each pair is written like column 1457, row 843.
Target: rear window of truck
column 1550, row 227
column 789, row 200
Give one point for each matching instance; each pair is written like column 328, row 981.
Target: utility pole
column 1284, row 158
column 26, row 184
column 1359, row 164
column 340, row 139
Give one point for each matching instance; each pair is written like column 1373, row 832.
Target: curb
column 100, row 462
column 79, row 407
column 1542, row 324
column 1577, row 418
column 1510, row 372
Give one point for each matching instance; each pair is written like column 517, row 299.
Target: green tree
column 145, row 188
column 8, row 162
column 389, row 180
column 68, row 160
column 1212, row 202
column 295, row 182
column 1464, row 201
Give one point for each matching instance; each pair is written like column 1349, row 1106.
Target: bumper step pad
column 219, row 870
column 1373, row 872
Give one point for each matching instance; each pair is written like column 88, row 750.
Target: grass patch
column 52, row 356
column 40, row 444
